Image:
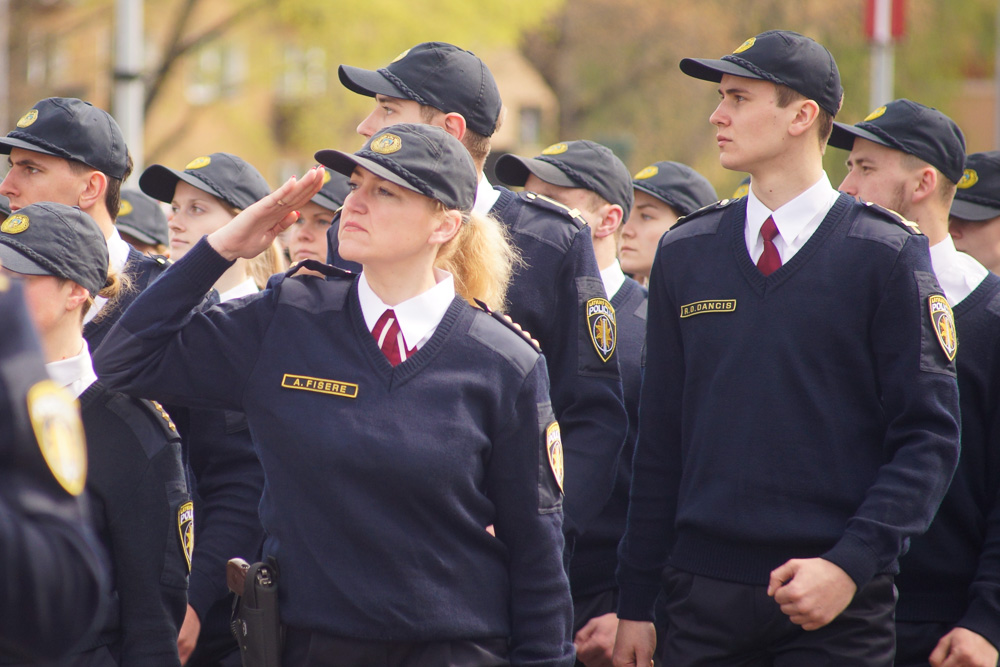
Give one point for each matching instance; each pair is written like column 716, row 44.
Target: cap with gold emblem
column 782, row 57
column 72, row 129
column 223, row 175
column 422, row 158
column 912, row 128
column 336, row 187
column 676, row 184
column 573, row 164
column 49, row 239
column 142, row 217
column 978, row 195
column 438, row 75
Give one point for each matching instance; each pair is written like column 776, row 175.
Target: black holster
column 256, row 623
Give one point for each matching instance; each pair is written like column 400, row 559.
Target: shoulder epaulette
column 549, row 204
column 320, row 267
column 161, row 260
column 510, row 324
column 163, row 419
column 702, row 211
column 892, row 216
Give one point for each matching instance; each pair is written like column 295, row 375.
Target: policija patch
column 602, row 328
column 55, row 418
column 944, row 324
column 553, row 447
column 185, row 524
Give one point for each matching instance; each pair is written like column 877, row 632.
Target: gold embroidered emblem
column 745, row 45
column 647, row 172
column 386, row 144
column 125, row 208
column 199, row 162
column 601, row 325
column 400, row 56
column 14, row 224
column 969, row 178
column 553, row 447
column 556, row 149
column 874, row 114
column 185, row 525
column 944, row 325
column 28, row 118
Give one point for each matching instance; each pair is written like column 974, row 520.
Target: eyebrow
column 385, row 99
column 733, row 91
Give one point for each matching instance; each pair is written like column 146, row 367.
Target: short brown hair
column 824, row 120
column 477, row 144
column 113, row 195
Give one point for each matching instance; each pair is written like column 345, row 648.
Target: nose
column 369, row 126
column 628, row 229
column 6, row 186
column 304, row 232
column 848, row 185
column 175, row 223
column 718, row 117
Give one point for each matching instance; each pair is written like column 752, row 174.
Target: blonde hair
column 117, row 285
column 266, row 264
column 482, row 259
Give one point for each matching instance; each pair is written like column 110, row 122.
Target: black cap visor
column 843, row 136
column 159, row 182
column 6, row 143
column 967, row 210
column 661, row 196
column 324, row 201
column 369, row 83
column 135, row 233
column 514, row 170
column 712, row 70
column 346, row 162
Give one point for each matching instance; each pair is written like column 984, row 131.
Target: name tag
column 709, row 306
column 320, row 386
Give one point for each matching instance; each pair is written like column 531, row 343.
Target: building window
column 303, row 73
column 217, row 72
column 530, row 127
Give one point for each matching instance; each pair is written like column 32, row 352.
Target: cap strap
column 402, row 86
column 42, row 143
column 886, row 137
column 976, row 199
column 747, row 65
column 412, row 179
column 33, row 256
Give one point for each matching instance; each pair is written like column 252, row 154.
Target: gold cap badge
column 28, row 118
column 386, row 144
column 14, row 224
column 745, row 45
column 648, row 172
column 969, row 178
column 125, row 208
column 874, row 114
column 556, row 149
column 199, row 162
column 400, row 56
column 326, row 176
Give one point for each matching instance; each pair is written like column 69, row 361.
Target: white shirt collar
column 613, row 278
column 793, row 217
column 957, row 273
column 75, row 373
column 418, row 316
column 486, row 196
column 245, row 288
column 118, row 252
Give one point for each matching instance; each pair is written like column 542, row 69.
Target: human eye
column 385, row 192
column 353, row 186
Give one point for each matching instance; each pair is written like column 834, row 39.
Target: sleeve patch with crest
column 553, row 447
column 944, row 325
column 601, row 325
column 55, row 418
column 185, row 525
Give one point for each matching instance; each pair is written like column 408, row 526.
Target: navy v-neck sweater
column 379, row 481
column 809, row 413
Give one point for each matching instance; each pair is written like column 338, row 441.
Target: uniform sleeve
column 524, row 490
column 920, row 404
column 150, row 563
column 229, row 482
column 162, row 348
column 656, row 464
column 586, row 390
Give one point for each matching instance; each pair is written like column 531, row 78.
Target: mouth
column 721, row 140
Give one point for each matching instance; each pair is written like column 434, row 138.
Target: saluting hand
column 256, row 227
column 811, row 591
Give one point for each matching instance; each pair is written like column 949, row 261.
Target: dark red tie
column 770, row 260
column 389, row 337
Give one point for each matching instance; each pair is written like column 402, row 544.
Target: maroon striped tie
column 770, row 260
column 389, row 337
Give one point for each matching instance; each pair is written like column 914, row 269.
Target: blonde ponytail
column 266, row 264
column 482, row 259
column 117, row 284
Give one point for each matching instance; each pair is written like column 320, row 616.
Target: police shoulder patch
column 553, row 447
column 185, row 526
column 894, row 217
column 943, row 320
column 55, row 418
column 602, row 327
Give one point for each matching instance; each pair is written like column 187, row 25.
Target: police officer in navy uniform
column 557, row 295
column 139, row 502
column 68, row 151
column 589, row 177
column 395, row 421
column 664, row 192
column 911, row 158
column 975, row 212
column 56, row 576
column 798, row 419
column 142, row 223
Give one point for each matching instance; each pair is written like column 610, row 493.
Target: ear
column 446, row 227
column 926, row 185
column 93, row 192
column 611, row 220
column 77, row 297
column 454, row 124
column 806, row 112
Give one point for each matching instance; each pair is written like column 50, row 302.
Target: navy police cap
column 142, row 218
column 336, row 187
column 912, row 128
column 223, row 175
column 978, row 195
column 573, row 164
column 422, row 158
column 676, row 184
column 782, row 57
column 49, row 239
column 74, row 130
column 435, row 74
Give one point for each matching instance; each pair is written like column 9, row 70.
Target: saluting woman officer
column 394, row 421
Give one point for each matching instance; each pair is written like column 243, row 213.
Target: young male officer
column 557, row 295
column 975, row 213
column 590, row 178
column 70, row 152
column 798, row 409
column 910, row 158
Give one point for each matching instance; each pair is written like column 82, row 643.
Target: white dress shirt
column 118, row 255
column 957, row 273
column 796, row 220
column 486, row 196
column 418, row 316
column 245, row 288
column 74, row 374
column 613, row 278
